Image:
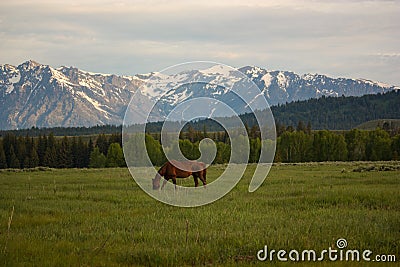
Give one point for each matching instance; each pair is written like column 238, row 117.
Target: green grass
column 102, row 218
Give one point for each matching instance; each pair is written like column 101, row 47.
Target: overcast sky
column 357, row 39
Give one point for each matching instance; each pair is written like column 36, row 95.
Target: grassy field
column 101, row 217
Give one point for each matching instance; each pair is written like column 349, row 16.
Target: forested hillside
column 329, row 113
column 339, row 113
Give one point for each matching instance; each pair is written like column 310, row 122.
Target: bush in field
column 115, row 156
column 154, row 150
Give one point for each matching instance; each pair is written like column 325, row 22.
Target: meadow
column 100, row 217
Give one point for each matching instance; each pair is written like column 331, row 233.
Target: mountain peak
column 31, row 63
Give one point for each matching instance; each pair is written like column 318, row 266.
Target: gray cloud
column 336, row 38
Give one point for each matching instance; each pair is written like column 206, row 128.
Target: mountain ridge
column 34, row 94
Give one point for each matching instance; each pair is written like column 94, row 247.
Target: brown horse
column 171, row 170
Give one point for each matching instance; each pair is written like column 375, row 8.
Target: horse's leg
column 174, row 181
column 202, row 177
column 196, row 181
column 164, row 182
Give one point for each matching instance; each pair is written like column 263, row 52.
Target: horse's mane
column 163, row 169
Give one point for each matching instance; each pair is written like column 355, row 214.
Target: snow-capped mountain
column 286, row 86
column 33, row 94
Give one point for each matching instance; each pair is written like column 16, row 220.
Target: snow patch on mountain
column 267, row 79
column 282, row 81
column 217, row 69
column 180, row 97
column 10, row 88
column 60, row 77
column 254, row 72
column 16, row 78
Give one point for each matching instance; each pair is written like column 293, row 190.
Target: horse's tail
column 205, row 174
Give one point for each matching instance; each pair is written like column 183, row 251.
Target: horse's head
column 156, row 181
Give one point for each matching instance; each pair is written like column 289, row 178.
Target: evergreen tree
column 33, row 159
column 191, row 134
column 300, row 126
column 308, row 129
column 115, row 138
column 205, row 134
column 90, row 145
column 97, row 159
column 51, row 140
column 50, row 157
column 280, row 129
column 102, row 143
column 64, row 155
column 3, row 160
column 255, row 131
column 290, row 128
column 74, row 152
column 41, row 148
column 225, row 137
column 83, row 154
column 246, row 127
column 13, row 161
column 9, row 140
column 21, row 151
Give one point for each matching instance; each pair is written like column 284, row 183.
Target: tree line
column 68, row 131
column 292, row 145
column 324, row 145
column 65, row 152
